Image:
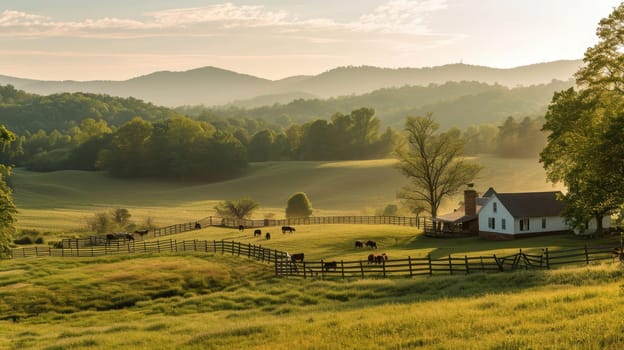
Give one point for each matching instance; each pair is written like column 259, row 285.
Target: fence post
column 158, row 245
column 214, row 245
column 222, row 247
column 342, row 268
column 586, row 255
column 467, row 268
column 248, row 250
column 362, row 268
column 239, row 244
column 409, row 264
column 383, row 266
column 430, row 267
column 322, row 270
column 232, row 246
column 276, row 274
column 547, row 259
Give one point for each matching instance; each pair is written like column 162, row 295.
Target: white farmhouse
column 515, row 215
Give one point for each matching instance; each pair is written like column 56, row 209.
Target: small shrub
column 23, row 240
column 39, row 240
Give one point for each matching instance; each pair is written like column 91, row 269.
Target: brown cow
column 371, row 244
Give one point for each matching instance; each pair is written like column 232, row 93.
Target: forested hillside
column 130, row 138
column 453, row 104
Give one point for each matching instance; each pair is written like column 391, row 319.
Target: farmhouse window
column 494, row 207
column 492, row 223
column 524, row 224
column 543, row 223
column 503, row 224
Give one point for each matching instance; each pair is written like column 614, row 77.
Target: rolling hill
column 213, row 86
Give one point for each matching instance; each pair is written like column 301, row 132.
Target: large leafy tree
column 7, row 208
column 586, row 130
column 434, row 164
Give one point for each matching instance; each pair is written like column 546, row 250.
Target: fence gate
column 520, row 261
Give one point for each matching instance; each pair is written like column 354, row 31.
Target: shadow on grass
column 476, row 246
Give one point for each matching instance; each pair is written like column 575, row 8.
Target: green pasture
column 62, row 201
column 337, row 242
column 209, row 301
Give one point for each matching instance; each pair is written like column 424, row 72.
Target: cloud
column 395, row 16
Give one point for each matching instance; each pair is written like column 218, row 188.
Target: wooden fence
column 417, row 222
column 410, row 266
column 450, row 265
column 160, row 246
column 97, row 240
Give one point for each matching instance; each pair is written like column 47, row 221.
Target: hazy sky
column 115, row 39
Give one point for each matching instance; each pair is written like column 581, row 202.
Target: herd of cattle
column 294, row 258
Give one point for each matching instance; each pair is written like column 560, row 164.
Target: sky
column 274, row 39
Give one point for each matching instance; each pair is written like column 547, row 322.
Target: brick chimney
column 470, row 201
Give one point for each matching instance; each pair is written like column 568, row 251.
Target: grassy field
column 62, row 201
column 208, row 301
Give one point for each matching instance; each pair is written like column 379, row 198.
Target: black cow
column 257, row 233
column 371, row 244
column 141, row 232
column 290, row 229
column 267, row 236
column 330, row 265
column 297, row 257
column 241, row 228
column 359, row 244
column 197, row 225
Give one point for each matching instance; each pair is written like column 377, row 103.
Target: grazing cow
column 371, row 244
column 267, row 236
column 117, row 236
column 297, row 257
column 359, row 244
column 257, row 233
column 381, row 258
column 197, row 225
column 290, row 229
column 141, row 232
column 241, row 228
column 371, row 258
column 330, row 265
column 377, row 258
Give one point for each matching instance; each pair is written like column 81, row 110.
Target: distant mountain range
column 212, row 86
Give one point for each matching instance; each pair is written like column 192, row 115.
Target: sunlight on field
column 64, row 200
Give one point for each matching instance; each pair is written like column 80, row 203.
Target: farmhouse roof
column 459, row 214
column 532, row 204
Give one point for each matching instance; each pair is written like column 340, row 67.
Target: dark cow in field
column 377, row 258
column 241, row 228
column 141, row 232
column 371, row 244
column 267, row 236
column 257, row 233
column 297, row 257
column 330, row 265
column 359, row 244
column 290, row 229
column 197, row 225
column 117, row 236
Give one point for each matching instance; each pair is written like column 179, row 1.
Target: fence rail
column 251, row 251
column 449, row 265
column 410, row 266
column 97, row 240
